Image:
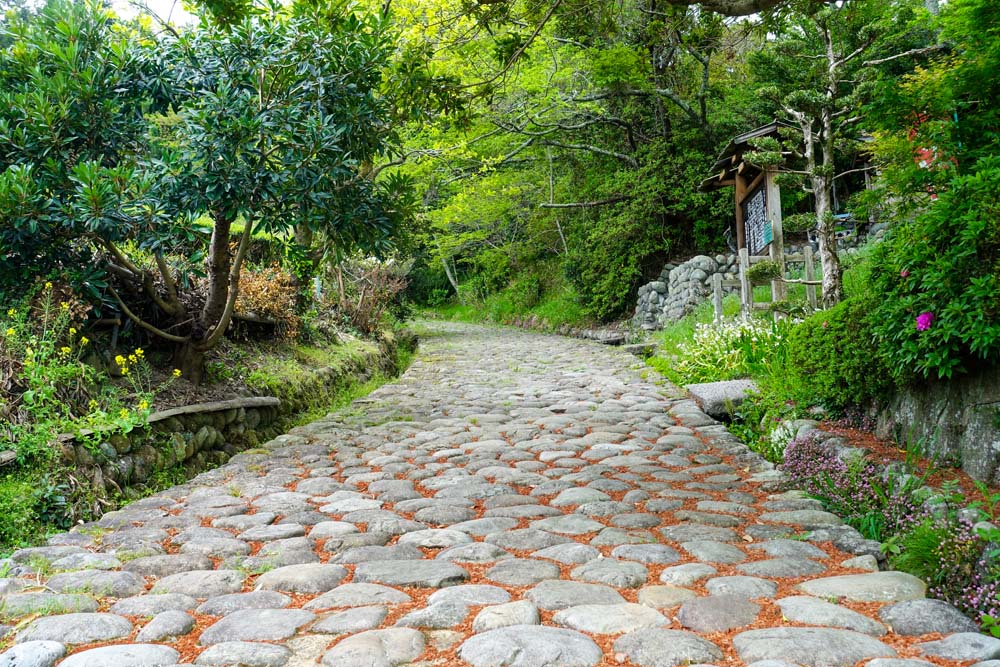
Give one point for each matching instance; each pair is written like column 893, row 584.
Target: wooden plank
column 810, row 275
column 731, row 283
column 740, row 193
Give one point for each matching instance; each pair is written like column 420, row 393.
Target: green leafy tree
column 73, row 93
column 818, row 70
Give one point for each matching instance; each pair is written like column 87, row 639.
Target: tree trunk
column 451, row 278
column 826, row 228
column 220, row 262
column 190, row 359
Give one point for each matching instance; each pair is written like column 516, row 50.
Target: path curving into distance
column 513, row 499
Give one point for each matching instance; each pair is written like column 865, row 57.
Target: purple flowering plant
column 955, row 554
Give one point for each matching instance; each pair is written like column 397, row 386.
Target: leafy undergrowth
column 935, row 524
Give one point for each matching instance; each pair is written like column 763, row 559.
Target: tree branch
column 594, row 149
column 146, row 325
column 904, row 54
column 587, row 204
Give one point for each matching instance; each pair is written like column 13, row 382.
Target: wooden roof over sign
column 731, row 161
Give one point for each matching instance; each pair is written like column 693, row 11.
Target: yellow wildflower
column 65, row 305
column 48, row 285
column 139, row 352
column 84, row 340
column 92, row 405
column 72, row 331
column 124, row 370
column 64, row 351
column 143, row 405
column 177, row 372
column 123, row 413
column 11, row 313
column 120, row 360
column 28, row 352
column 10, row 332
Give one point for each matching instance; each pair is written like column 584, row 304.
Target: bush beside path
column 513, row 499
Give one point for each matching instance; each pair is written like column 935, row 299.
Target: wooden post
column 810, row 275
column 740, row 192
column 779, row 291
column 746, row 289
column 717, row 295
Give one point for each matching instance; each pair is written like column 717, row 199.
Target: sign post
column 758, row 210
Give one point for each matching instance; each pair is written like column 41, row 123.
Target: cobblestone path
column 514, row 499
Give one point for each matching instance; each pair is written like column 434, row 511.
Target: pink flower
column 904, row 273
column 824, row 324
column 924, row 320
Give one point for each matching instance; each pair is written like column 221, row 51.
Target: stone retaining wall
column 956, row 421
column 683, row 285
column 196, row 437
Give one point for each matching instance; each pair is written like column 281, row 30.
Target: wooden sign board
column 759, row 233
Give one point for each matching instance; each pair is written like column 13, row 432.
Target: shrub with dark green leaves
column 938, row 276
column 833, row 357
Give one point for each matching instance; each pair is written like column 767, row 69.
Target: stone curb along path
column 514, row 499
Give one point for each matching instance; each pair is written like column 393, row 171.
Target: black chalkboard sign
column 755, row 221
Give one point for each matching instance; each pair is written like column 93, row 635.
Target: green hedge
column 834, row 359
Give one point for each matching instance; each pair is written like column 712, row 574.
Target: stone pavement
column 514, row 499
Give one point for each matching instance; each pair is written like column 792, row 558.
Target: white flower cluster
column 730, row 349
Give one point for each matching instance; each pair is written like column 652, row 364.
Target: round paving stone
column 227, row 604
column 810, row 647
column 377, row 648
column 256, row 625
column 352, row 620
column 244, row 654
column 201, row 583
column 745, row 587
column 874, row 587
column 717, row 613
column 526, row 539
column 609, row 619
column 522, row 612
column 358, row 595
column 419, row 573
column 474, row 552
column 664, row 597
column 522, row 572
column 812, row 611
column 687, row 574
column 16, row 605
column 656, row 647
column 33, row 654
column 76, row 629
column 437, row 616
column 572, row 553
column 963, row 646
column 782, row 568
column 714, row 552
column 151, row 605
column 470, row 594
column 646, row 553
column 556, row 594
column 616, row 573
column 308, row 578
column 569, row 524
column 165, row 625
column 920, row 617
column 529, row 646
column 126, row 655
column 435, row 538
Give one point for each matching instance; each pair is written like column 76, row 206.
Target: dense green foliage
column 943, row 266
column 834, row 357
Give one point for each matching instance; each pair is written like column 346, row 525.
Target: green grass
column 555, row 308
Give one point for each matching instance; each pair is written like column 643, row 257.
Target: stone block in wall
column 957, row 421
